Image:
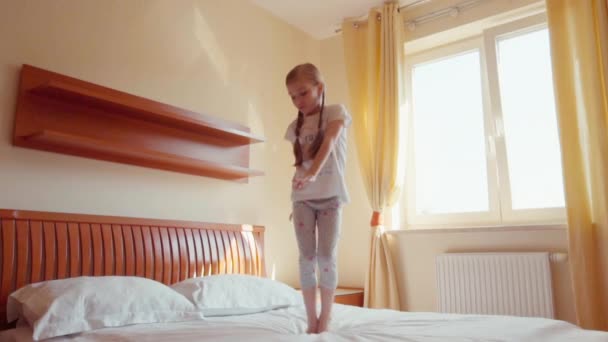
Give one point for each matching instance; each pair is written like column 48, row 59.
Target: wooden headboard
column 38, row 246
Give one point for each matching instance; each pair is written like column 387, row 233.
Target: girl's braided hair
column 309, row 72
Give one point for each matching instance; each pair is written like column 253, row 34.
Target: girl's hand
column 300, row 182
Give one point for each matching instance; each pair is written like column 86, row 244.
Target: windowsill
column 503, row 228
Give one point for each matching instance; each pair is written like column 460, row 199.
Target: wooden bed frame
column 38, row 246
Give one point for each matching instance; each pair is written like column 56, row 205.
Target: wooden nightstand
column 349, row 296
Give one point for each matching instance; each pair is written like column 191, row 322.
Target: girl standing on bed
column 318, row 136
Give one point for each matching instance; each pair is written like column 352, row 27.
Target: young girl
column 318, row 136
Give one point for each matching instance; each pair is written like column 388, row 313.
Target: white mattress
column 349, row 324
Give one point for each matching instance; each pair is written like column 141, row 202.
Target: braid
column 310, row 73
column 322, row 108
column 297, row 147
column 316, row 145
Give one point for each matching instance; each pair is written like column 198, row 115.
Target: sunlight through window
column 530, row 121
column 449, row 149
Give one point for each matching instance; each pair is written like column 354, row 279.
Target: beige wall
column 225, row 58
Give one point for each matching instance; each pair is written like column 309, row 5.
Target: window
column 449, row 155
column 483, row 147
column 529, row 120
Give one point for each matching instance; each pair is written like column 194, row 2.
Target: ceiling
column 319, row 18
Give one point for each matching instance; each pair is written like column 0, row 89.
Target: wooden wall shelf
column 66, row 115
column 143, row 109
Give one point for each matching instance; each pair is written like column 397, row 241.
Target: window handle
column 499, row 128
column 492, row 145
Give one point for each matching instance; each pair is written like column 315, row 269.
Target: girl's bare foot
column 323, row 323
column 313, row 326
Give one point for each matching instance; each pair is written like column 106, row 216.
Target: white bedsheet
column 349, row 324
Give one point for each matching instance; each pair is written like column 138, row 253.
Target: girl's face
column 305, row 95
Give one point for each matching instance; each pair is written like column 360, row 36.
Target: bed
column 39, row 247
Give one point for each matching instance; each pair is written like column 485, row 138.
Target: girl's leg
column 327, row 300
column 304, row 221
column 310, row 302
column 328, row 222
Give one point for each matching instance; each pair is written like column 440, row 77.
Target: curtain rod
column 452, row 11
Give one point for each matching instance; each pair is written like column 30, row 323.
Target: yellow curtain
column 373, row 55
column 579, row 49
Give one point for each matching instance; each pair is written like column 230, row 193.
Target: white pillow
column 237, row 294
column 67, row 306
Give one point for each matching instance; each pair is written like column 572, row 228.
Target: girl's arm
column 333, row 130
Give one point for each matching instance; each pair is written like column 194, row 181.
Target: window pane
column 449, row 138
column 531, row 133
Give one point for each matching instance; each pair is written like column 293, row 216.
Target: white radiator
column 517, row 284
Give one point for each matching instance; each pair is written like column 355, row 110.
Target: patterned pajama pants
column 317, row 227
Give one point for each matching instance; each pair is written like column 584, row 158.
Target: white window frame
column 500, row 211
